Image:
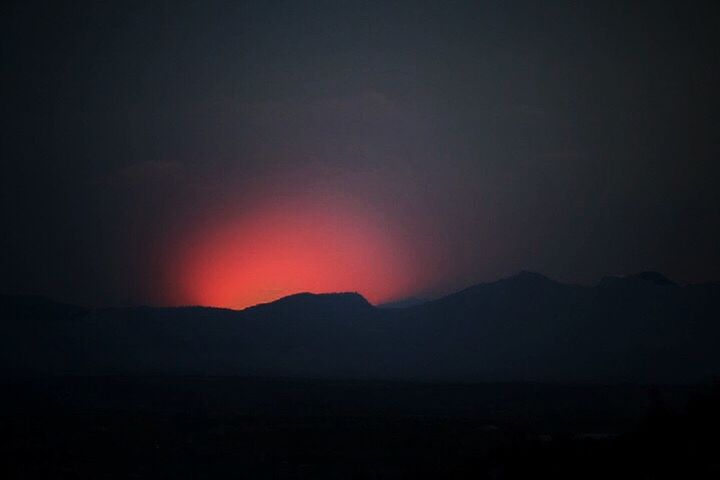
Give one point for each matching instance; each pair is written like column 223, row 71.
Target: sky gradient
column 226, row 153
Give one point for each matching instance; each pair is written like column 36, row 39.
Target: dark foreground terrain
column 500, row 380
column 228, row 427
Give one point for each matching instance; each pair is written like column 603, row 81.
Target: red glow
column 294, row 247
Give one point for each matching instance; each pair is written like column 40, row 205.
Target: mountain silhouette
column 654, row 277
column 404, row 303
column 313, row 303
column 31, row 307
column 527, row 327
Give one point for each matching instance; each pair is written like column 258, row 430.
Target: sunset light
column 300, row 246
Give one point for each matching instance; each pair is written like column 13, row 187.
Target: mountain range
column 640, row 328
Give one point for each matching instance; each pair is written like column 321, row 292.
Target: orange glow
column 291, row 247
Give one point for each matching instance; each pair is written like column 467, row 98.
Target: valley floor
column 225, row 427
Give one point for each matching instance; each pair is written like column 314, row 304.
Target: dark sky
column 231, row 152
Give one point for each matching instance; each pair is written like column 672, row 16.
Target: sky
column 229, row 153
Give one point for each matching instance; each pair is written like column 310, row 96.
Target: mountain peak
column 653, row 277
column 307, row 300
column 528, row 276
